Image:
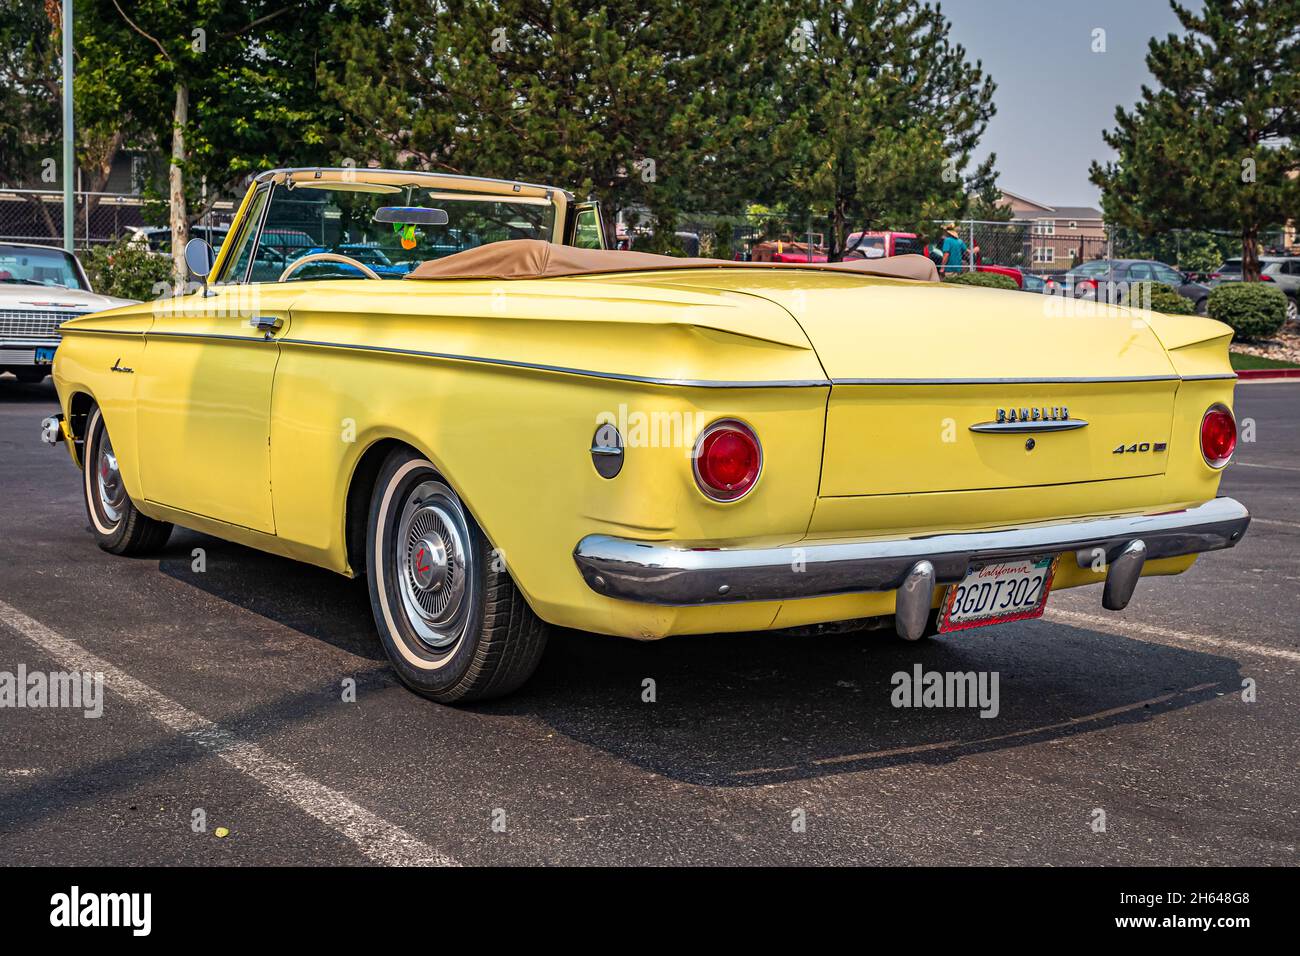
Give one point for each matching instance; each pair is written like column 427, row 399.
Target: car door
column 204, row 399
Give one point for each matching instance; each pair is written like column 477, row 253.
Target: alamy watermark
column 944, row 689
column 76, row 690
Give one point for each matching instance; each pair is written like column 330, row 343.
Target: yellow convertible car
column 451, row 386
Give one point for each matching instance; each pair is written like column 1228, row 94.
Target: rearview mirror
column 411, row 215
column 199, row 258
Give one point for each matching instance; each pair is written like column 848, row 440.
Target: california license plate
column 998, row 593
column 44, row 357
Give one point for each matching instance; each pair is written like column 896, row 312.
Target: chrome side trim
column 686, row 574
column 1085, row 380
column 1021, row 428
column 563, row 370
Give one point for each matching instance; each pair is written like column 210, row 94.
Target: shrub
column 1163, row 299
column 1255, row 310
column 125, row 270
column 989, row 280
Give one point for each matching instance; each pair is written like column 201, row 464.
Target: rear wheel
column 451, row 620
column 119, row 526
column 1292, row 311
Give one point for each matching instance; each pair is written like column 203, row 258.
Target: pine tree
column 1217, row 144
column 650, row 105
column 880, row 112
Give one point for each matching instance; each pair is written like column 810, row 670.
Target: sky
column 1054, row 94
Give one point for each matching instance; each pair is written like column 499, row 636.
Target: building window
column 1074, row 225
column 1044, row 227
column 1044, row 253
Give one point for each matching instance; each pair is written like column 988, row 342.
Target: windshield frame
column 504, row 191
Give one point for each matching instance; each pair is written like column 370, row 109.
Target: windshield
column 1094, row 268
column 340, row 219
column 30, row 265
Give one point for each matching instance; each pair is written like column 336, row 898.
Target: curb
column 1264, row 373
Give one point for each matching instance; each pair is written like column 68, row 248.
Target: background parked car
column 1282, row 270
column 881, row 245
column 1083, row 281
column 40, row 287
column 1032, row 283
column 159, row 238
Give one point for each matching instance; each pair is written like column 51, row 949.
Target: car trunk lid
column 914, row 366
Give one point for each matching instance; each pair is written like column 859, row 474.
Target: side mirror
column 199, row 259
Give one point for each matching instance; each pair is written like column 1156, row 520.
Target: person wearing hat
column 954, row 251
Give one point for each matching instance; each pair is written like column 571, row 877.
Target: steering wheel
column 297, row 264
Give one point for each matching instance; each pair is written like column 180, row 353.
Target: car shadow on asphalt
column 747, row 710
column 319, row 603
column 756, row 709
column 13, row 392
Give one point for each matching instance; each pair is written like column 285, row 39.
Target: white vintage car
column 40, row 287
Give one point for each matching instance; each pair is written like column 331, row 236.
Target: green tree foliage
column 637, row 104
column 29, row 96
column 1215, row 146
column 1189, row 250
column 879, row 113
column 224, row 89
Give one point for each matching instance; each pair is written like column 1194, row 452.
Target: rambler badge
column 1036, row 418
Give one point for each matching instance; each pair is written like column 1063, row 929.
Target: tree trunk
column 176, row 186
column 1249, row 253
column 835, row 241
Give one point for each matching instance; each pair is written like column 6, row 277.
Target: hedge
column 1255, row 310
column 990, row 280
column 1163, row 299
column 126, row 270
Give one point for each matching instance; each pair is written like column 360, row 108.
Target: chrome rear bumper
column 678, row 574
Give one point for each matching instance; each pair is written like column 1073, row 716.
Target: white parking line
column 1274, row 522
column 1259, row 464
column 1125, row 628
column 379, row 840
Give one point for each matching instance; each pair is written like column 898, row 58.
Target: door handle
column 266, row 323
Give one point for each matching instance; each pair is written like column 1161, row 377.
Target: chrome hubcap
column 112, row 493
column 433, row 555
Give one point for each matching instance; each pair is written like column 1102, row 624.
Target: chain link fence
column 36, row 216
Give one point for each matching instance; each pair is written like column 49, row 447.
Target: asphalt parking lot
column 225, row 695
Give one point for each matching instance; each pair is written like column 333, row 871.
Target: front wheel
column 119, row 526
column 451, row 620
column 1292, row 310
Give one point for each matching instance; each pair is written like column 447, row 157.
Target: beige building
column 1058, row 236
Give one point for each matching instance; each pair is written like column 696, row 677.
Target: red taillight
column 1264, row 278
column 1218, row 435
column 1089, row 284
column 728, row 459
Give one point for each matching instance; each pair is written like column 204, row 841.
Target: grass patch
column 1242, row 360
